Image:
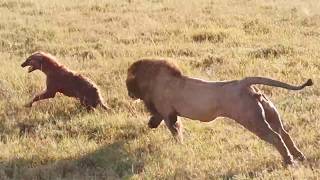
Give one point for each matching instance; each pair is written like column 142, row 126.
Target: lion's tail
column 270, row 82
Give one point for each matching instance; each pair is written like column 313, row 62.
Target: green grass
column 209, row 39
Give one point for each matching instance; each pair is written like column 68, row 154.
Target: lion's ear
column 131, row 76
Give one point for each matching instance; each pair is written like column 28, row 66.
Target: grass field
column 209, row 39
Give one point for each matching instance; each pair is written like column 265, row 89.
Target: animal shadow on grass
column 28, row 126
column 257, row 171
column 110, row 161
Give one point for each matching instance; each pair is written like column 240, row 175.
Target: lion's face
column 143, row 74
column 132, row 87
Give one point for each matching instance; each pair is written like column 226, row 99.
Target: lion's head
column 132, row 87
column 141, row 76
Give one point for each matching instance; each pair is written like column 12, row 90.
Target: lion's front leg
column 175, row 127
column 154, row 121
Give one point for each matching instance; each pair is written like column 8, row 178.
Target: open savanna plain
column 208, row 39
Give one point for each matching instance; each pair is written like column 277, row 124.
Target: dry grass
column 210, row 39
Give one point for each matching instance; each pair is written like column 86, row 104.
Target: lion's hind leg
column 273, row 118
column 254, row 121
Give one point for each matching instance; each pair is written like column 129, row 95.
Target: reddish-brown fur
column 60, row 79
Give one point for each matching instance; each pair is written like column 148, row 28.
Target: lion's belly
column 200, row 110
column 201, row 116
column 198, row 101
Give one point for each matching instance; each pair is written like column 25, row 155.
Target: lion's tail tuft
column 270, row 82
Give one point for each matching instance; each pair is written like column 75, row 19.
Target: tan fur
column 167, row 93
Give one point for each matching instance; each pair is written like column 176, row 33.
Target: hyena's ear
column 39, row 52
column 36, row 53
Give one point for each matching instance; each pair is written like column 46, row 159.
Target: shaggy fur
column 60, row 79
column 168, row 94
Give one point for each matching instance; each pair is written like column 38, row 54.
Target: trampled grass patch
column 212, row 37
column 271, row 52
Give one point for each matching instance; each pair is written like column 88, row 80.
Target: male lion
column 167, row 93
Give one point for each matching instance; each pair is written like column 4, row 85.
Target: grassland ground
column 209, row 39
